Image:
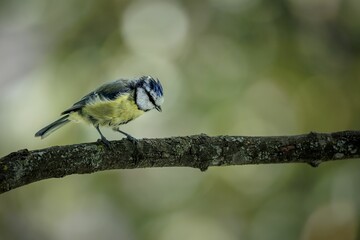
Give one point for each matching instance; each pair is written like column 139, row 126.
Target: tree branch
column 199, row 151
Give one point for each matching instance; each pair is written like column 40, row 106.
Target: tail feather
column 44, row 132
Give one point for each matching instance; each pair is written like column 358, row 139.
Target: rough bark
column 198, row 151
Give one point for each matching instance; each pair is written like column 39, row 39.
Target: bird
column 112, row 105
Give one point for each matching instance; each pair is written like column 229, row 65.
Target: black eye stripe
column 150, row 98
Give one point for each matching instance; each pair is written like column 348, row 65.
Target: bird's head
column 149, row 94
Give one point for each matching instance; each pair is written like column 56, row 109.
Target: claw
column 106, row 143
column 132, row 139
column 128, row 136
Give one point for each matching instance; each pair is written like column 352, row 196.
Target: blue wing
column 108, row 91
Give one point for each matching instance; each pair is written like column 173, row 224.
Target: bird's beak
column 158, row 108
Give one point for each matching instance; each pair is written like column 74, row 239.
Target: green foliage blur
column 231, row 67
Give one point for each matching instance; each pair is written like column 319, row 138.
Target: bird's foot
column 128, row 136
column 132, row 139
column 106, row 143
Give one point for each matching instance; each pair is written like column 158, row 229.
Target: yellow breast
column 111, row 113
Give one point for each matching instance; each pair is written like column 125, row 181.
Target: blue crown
column 151, row 84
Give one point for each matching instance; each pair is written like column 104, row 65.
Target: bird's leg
column 128, row 136
column 103, row 139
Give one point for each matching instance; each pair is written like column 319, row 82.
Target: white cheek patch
column 143, row 101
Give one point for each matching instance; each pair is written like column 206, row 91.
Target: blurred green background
column 231, row 67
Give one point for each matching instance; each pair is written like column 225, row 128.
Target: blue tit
column 111, row 105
